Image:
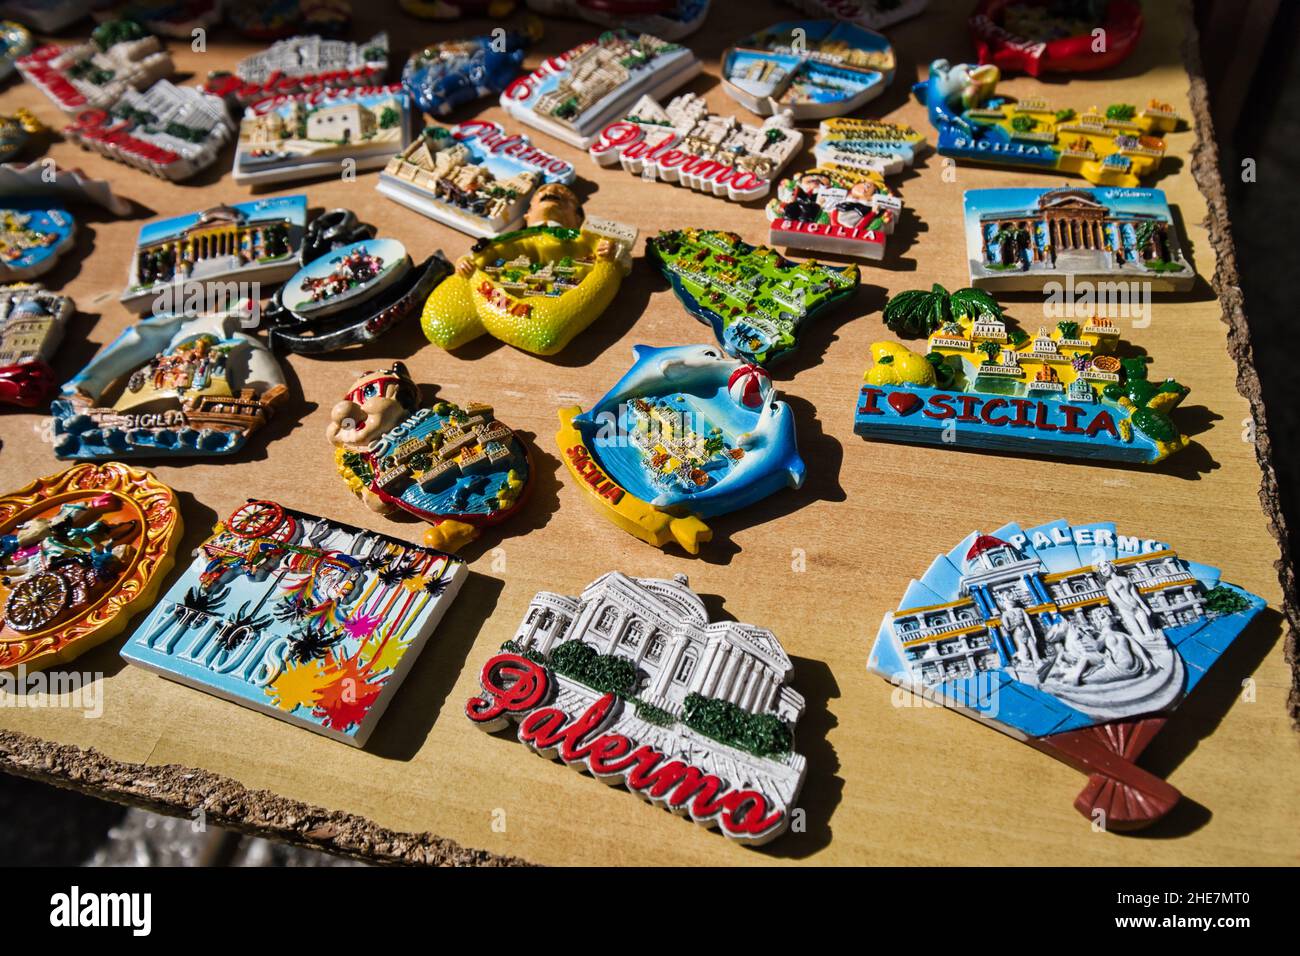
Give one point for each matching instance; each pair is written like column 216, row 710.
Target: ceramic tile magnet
column 1030, row 239
column 203, row 253
column 1117, row 146
column 686, row 144
column 458, row 468
column 80, row 553
column 983, row 383
column 688, row 433
column 302, row 64
column 451, row 73
column 474, row 177
column 1044, row 37
column 324, row 133
column 871, row 14
column 351, row 289
column 812, row 68
column 573, row 96
column 32, row 324
column 1076, row 639
column 119, row 56
column 664, row 693
column 670, row 19
column 309, row 620
column 185, row 386
column 756, row 301
column 538, row 287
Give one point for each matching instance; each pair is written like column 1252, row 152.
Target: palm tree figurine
column 917, row 313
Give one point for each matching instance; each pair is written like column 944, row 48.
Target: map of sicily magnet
column 1077, row 639
column 309, row 620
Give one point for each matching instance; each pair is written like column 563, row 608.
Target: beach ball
column 750, row 386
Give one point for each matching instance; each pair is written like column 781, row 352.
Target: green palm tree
column 916, row 313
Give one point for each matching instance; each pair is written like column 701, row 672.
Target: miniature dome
column 29, row 308
column 677, row 595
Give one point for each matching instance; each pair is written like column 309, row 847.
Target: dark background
column 1249, row 49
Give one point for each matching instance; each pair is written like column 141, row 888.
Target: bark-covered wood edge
column 1227, row 286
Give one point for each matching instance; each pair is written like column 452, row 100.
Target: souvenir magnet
column 755, row 300
column 18, row 131
column 573, row 96
column 203, row 253
column 457, row 468
column 1036, row 239
column 309, row 135
column 32, row 324
column 45, row 16
column 813, row 68
column 449, row 74
column 872, row 14
column 834, row 209
column 94, row 75
column 302, row 64
column 168, row 130
column 169, row 18
column 984, row 384
column 535, row 288
column 684, row 143
column 1076, row 639
column 80, row 553
column 632, row 683
column 1048, row 36
column 472, row 177
column 350, row 293
column 15, row 41
column 688, row 433
column 670, row 19
column 273, row 19
column 46, row 181
column 170, row 386
column 1115, row 147
column 303, row 618
column 868, row 145
column 454, row 9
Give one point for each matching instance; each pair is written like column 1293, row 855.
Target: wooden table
column 885, row 784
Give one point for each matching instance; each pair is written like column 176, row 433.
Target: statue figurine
column 535, row 288
column 457, row 468
column 1020, row 628
column 1124, row 596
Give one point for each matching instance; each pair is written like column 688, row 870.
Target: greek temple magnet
column 80, row 553
column 300, row 617
column 457, row 468
column 632, row 683
column 688, row 433
column 1075, row 638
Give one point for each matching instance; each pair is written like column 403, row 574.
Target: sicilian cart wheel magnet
column 1075, row 638
column 456, row 467
column 80, row 552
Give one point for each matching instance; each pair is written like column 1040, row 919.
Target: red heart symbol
column 904, row 402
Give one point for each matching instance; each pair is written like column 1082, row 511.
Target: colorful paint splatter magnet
column 1040, row 239
column 302, row 64
column 32, row 324
column 813, row 68
column 986, row 384
column 119, row 57
column 449, row 74
column 686, row 144
column 1076, row 639
column 575, row 95
column 538, row 287
column 349, row 293
column 459, row 469
column 756, row 301
column 170, row 386
column 474, row 177
column 325, row 133
column 203, row 254
column 688, row 433
column 1047, row 36
column 306, row 619
column 15, row 41
column 632, row 683
column 871, row 14
column 670, row 19
column 1115, row 147
column 80, row 553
